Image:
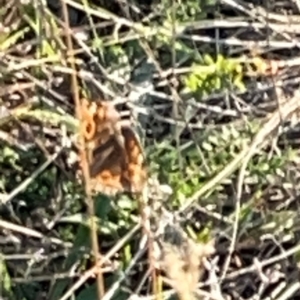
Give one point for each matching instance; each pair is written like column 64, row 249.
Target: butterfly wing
column 107, row 168
column 135, row 170
column 116, row 162
column 116, row 170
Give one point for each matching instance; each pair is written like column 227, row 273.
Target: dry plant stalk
column 145, row 213
column 182, row 263
column 84, row 155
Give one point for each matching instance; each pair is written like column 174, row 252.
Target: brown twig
column 281, row 114
column 145, row 212
column 85, row 164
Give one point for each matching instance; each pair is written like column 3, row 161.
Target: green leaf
column 7, row 41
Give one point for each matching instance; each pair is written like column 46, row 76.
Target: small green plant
column 189, row 10
column 214, row 75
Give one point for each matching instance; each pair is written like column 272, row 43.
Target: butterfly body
column 115, row 154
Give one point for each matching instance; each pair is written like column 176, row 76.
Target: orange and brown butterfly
column 115, row 154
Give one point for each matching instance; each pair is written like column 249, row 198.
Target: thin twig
column 32, row 233
column 280, row 115
column 85, row 164
column 29, row 180
column 268, row 127
column 105, row 259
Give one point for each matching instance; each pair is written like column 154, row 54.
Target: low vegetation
column 211, row 89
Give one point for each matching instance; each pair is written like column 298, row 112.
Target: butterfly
column 115, row 155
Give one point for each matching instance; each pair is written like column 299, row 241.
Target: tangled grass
column 212, row 90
